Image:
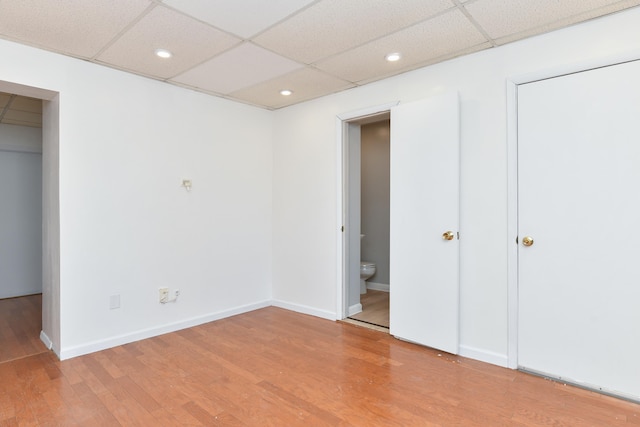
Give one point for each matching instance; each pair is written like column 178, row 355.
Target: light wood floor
column 273, row 367
column 375, row 308
column 20, row 326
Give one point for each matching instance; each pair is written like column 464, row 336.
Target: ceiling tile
column 4, row 99
column 333, row 26
column 190, row 41
column 444, row 35
column 22, row 103
column 244, row 18
column 343, row 40
column 237, row 68
column 68, row 26
column 500, row 18
column 20, row 110
column 14, row 116
column 306, row 84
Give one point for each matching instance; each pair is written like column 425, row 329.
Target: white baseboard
column 67, row 353
column 45, row 339
column 484, row 356
column 378, row 286
column 354, row 309
column 299, row 308
column 94, row 346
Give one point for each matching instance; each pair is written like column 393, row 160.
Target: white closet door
column 578, row 180
column 425, row 172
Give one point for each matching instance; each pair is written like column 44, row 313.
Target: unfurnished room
column 319, row 212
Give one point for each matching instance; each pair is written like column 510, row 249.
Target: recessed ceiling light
column 393, row 57
column 163, row 53
column 286, row 92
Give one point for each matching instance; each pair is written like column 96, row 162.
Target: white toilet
column 367, row 269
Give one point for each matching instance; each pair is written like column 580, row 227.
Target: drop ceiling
column 20, row 110
column 249, row 50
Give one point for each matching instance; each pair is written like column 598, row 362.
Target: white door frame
column 512, row 178
column 342, row 145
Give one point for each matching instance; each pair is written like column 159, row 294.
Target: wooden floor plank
column 276, row 367
column 20, row 325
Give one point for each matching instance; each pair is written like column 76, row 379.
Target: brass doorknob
column 448, row 235
column 527, row 240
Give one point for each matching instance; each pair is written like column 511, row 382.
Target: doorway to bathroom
column 369, row 182
column 423, row 231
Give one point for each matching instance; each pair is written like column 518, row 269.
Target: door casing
column 343, row 123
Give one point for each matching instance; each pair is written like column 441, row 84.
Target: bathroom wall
column 375, row 200
column 20, row 211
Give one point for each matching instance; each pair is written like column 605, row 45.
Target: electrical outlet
column 163, row 295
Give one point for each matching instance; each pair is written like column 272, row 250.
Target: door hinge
column 342, row 228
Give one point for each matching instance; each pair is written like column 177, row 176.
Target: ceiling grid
column 249, row 50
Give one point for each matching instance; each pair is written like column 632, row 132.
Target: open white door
column 425, row 173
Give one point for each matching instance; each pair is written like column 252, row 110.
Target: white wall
column 126, row 225
column 306, row 169
column 20, row 211
column 375, row 198
column 22, row 139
